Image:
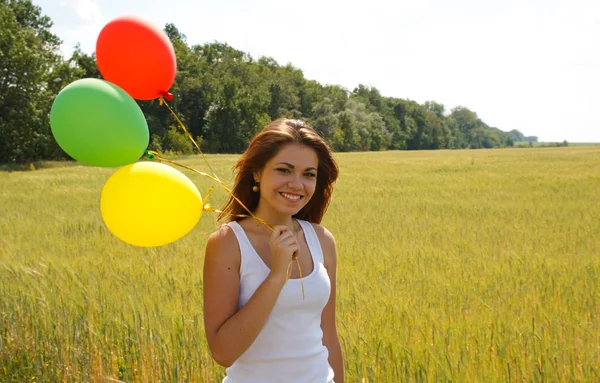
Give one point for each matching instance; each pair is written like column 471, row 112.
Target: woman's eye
column 310, row 175
column 284, row 170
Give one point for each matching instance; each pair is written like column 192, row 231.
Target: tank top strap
column 243, row 243
column 237, row 230
column 314, row 245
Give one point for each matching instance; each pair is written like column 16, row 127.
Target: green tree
column 435, row 108
column 28, row 57
column 510, row 142
column 325, row 120
column 222, row 95
column 348, row 134
column 466, row 120
column 371, row 129
column 517, row 136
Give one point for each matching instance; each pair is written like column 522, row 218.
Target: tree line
column 224, row 97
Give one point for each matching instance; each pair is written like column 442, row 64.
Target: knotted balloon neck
column 168, row 96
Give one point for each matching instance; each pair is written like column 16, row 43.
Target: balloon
column 99, row 124
column 137, row 56
column 150, row 204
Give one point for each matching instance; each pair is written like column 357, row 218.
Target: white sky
column 531, row 65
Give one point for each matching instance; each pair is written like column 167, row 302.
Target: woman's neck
column 274, row 219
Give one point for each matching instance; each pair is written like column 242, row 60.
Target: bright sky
column 531, row 65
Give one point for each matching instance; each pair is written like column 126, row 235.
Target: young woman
column 258, row 322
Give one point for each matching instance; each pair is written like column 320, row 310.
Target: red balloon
column 136, row 56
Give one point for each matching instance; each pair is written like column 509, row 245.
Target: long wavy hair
column 264, row 146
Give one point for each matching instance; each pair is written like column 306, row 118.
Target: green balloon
column 99, row 124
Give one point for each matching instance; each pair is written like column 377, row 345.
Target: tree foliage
column 222, row 95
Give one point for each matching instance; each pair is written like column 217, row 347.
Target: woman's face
column 288, row 180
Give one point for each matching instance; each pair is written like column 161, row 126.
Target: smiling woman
column 266, row 152
column 286, row 186
column 257, row 323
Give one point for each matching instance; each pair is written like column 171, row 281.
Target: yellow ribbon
column 162, row 102
column 205, row 205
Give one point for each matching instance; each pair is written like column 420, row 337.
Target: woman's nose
column 295, row 183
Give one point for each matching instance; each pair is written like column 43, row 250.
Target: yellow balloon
column 150, row 204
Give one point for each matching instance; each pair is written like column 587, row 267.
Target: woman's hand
column 284, row 247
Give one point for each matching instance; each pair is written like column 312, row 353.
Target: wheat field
column 454, row 266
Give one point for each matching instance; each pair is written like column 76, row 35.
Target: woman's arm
column 330, row 335
column 231, row 332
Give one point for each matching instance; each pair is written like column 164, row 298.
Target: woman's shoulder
column 223, row 243
column 223, row 232
column 322, row 231
column 326, row 239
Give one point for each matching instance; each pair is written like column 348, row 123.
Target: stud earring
column 255, row 188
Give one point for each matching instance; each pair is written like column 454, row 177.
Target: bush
column 177, row 143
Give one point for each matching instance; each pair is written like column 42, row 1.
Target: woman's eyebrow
column 292, row 166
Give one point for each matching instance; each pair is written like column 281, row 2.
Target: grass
column 454, row 266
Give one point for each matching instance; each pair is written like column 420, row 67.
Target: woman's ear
column 256, row 175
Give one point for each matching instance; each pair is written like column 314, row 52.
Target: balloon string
column 157, row 156
column 295, row 258
column 214, row 177
column 163, row 101
column 209, row 208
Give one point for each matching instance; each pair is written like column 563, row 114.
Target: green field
column 461, row 266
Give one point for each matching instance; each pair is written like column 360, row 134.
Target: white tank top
column 289, row 347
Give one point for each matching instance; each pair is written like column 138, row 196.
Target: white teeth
column 289, row 196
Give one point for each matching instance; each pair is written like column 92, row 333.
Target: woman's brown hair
column 264, row 146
